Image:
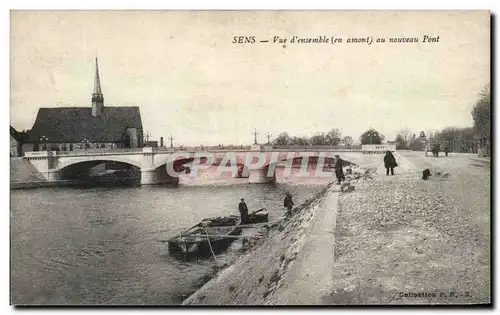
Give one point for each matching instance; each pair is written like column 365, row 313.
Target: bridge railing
column 163, row 150
column 81, row 152
column 99, row 151
column 316, row 147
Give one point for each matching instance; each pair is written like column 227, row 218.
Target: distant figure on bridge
column 338, row 169
column 288, row 203
column 242, row 207
column 389, row 162
column 436, row 149
column 446, row 150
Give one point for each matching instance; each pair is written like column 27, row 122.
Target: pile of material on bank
column 211, row 236
column 259, row 216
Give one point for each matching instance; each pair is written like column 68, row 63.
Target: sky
column 191, row 81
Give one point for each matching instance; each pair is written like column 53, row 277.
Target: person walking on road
column 389, row 162
column 242, row 207
column 338, row 169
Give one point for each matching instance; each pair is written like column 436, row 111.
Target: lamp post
column 171, row 138
column 147, row 137
column 85, row 143
column 44, row 138
column 268, row 135
column 255, row 136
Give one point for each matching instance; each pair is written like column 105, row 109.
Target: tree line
column 456, row 139
column 333, row 138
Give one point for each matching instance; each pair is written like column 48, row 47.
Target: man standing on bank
column 389, row 162
column 338, row 169
column 288, row 203
column 242, row 207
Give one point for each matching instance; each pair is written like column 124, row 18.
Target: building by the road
column 18, row 142
column 15, row 143
column 153, row 144
column 80, row 128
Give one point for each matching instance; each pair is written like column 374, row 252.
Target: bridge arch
column 64, row 162
column 83, row 169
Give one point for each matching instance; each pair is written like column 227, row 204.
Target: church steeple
column 97, row 97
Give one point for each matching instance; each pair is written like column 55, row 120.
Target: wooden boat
column 210, row 236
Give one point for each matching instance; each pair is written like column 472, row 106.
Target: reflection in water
column 106, row 245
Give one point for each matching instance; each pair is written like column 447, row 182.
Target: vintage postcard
column 250, row 158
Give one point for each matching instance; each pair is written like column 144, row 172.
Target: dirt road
column 402, row 240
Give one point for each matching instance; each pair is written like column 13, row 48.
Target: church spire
column 97, row 97
column 97, row 81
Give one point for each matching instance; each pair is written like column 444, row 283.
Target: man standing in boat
column 243, row 212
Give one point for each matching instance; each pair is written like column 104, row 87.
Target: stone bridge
column 157, row 166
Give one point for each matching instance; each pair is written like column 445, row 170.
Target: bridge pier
column 157, row 176
column 53, row 175
column 260, row 176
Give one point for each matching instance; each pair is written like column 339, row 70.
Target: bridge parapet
column 153, row 162
column 82, row 152
column 39, row 154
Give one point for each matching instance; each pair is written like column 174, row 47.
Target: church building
column 82, row 128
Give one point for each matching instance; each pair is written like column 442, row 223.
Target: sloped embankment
column 22, row 170
column 262, row 275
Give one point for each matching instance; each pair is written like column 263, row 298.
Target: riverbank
column 22, row 171
column 394, row 240
column 267, row 273
column 39, row 184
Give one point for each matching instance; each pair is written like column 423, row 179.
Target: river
column 107, row 245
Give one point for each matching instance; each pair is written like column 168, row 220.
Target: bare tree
column 371, row 136
column 481, row 114
column 282, row 139
column 318, row 139
column 404, row 138
column 299, row 141
column 333, row 137
column 348, row 141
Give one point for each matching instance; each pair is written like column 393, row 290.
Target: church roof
column 20, row 136
column 74, row 124
column 13, row 132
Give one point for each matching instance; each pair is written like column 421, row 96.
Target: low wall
column 21, row 170
column 377, row 148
